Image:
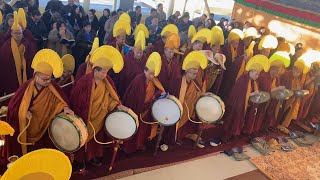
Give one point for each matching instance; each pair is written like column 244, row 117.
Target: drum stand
column 158, row 140
column 199, row 134
column 115, row 151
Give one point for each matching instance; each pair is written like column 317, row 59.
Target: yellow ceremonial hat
column 235, row 34
column 310, row 57
column 300, row 64
column 258, row 62
column 203, row 35
column 141, row 27
column 250, row 32
column 168, row 29
column 288, row 47
column 125, row 17
column 68, row 62
column 122, row 28
column 5, row 129
column 268, row 42
column 140, row 41
column 1, row 17
column 154, row 63
column 22, row 18
column 48, row 62
column 195, row 59
column 279, row 59
column 249, row 51
column 45, row 164
column 107, row 57
column 95, row 45
column 173, row 41
column 191, row 31
column 218, row 37
column 15, row 26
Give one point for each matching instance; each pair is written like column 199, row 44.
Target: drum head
column 120, row 125
column 166, row 112
column 64, row 135
column 209, row 109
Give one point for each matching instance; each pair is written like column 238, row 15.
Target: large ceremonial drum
column 121, row 125
column 210, row 108
column 68, row 133
column 167, row 111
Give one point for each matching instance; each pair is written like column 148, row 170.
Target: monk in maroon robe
column 159, row 46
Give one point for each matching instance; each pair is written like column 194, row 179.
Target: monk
column 265, row 45
column 188, row 91
column 240, row 113
column 267, row 116
column 134, row 63
column 67, row 76
column 166, row 31
column 34, row 105
column 15, row 60
column 293, row 80
column 92, row 98
column 139, row 96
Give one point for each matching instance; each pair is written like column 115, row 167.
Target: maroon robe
column 80, row 104
column 67, row 89
column 115, row 76
column 314, row 113
column 169, row 72
column 131, row 69
column 12, row 147
column 81, row 71
column 159, row 46
column 134, row 99
column 8, row 75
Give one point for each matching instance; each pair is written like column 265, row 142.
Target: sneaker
column 215, row 142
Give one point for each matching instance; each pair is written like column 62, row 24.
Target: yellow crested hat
column 310, row 57
column 235, row 34
column 154, row 63
column 218, row 37
column 68, row 62
column 125, row 17
column 250, row 32
column 287, row 47
column 140, row 41
column 16, row 26
column 141, row 27
column 268, row 42
column 48, row 62
column 121, row 28
column 168, row 29
column 249, row 51
column 107, row 57
column 191, row 31
column 300, row 64
column 1, row 17
column 195, row 59
column 95, row 45
column 40, row 164
column 203, row 35
column 173, row 41
column 6, row 129
column 22, row 18
column 258, row 62
column 279, row 59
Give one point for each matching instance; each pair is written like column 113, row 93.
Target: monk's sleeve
column 113, row 104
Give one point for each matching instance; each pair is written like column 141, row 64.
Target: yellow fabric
column 279, row 59
column 258, row 62
column 19, row 60
column 44, row 68
column 191, row 31
column 16, row 26
column 287, row 47
column 140, row 41
column 195, row 59
column 5, row 129
column 68, row 62
column 168, row 29
column 203, row 35
column 173, row 41
column 44, row 107
column 154, row 63
column 250, row 32
column 121, row 28
column 141, row 27
column 150, row 90
column 235, row 34
column 95, row 46
column 125, row 17
column 249, row 91
column 218, row 37
column 1, row 17
column 300, row 64
column 22, row 18
column 50, row 57
column 234, row 53
column 107, row 55
column 50, row 162
column 268, row 41
column 241, row 70
column 249, row 51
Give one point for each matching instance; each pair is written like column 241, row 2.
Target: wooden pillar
column 170, row 8
column 184, row 6
column 86, row 5
column 114, row 5
column 207, row 6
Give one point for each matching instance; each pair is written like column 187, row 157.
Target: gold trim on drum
column 219, row 101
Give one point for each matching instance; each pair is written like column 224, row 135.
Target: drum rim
column 167, row 125
column 214, row 122
column 55, row 143
column 105, row 128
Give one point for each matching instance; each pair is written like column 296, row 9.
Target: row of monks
column 111, row 79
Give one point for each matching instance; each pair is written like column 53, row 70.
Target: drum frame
column 204, row 121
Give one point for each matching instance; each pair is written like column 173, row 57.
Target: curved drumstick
column 150, row 123
column 196, row 122
column 95, row 139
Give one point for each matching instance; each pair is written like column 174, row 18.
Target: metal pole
column 184, row 6
column 170, row 8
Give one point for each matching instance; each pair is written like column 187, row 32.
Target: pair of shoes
column 215, row 142
column 283, row 129
column 95, row 162
column 164, row 147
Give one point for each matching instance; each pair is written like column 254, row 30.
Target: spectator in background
column 201, row 19
column 173, row 19
column 102, row 21
column 154, row 30
column 261, row 32
column 184, row 23
column 161, row 14
column 5, row 8
column 135, row 16
column 24, row 6
column 67, row 9
column 32, row 5
column 47, row 16
column 38, row 29
column 210, row 21
column 297, row 54
column 246, row 25
column 119, row 12
column 53, row 3
column 199, row 26
column 148, row 21
column 76, row 18
column 6, row 25
column 108, row 27
column 92, row 18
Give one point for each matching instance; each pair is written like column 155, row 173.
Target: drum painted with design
column 121, row 125
column 68, row 133
column 167, row 111
column 210, row 108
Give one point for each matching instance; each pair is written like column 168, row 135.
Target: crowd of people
column 117, row 62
